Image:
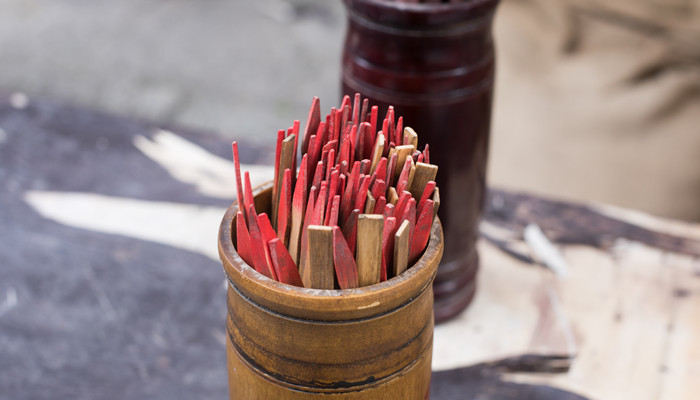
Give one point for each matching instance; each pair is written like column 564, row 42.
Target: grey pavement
column 241, row 68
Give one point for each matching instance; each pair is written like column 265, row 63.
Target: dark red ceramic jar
column 435, row 64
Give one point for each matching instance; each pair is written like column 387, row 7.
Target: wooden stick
column 392, row 196
column 378, row 189
column 285, row 162
column 436, row 201
column 424, row 174
column 377, row 153
column 402, row 204
column 239, row 182
column 284, row 265
column 410, row 137
column 344, row 262
column 402, row 153
column 369, row 204
column 243, row 239
column 319, row 274
column 369, row 248
column 391, row 167
column 399, row 127
column 401, row 248
column 298, row 209
column 308, row 216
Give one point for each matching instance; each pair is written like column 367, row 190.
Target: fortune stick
column 357, row 212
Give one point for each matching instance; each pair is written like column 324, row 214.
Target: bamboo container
column 287, row 342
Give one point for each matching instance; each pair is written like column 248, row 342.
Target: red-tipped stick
column 379, row 172
column 427, row 192
column 360, row 141
column 276, row 177
column 402, row 182
column 387, row 245
column 298, row 209
column 364, row 167
column 332, row 215
column 257, row 247
column 347, row 203
column 356, row 110
column 333, row 124
column 332, row 190
column 239, row 182
column 391, row 167
column 284, row 214
column 350, row 229
column 268, row 234
column 243, row 239
column 402, row 204
column 374, row 114
column 345, row 102
column 295, row 131
column 380, row 205
column 361, row 195
column 284, row 265
column 399, row 128
column 318, row 175
column 320, row 207
column 365, row 109
column 426, row 154
column 370, row 138
column 248, row 201
column 421, row 233
column 308, row 216
column 312, row 122
column 410, row 215
column 378, row 189
column 344, row 260
column 388, row 210
column 345, row 117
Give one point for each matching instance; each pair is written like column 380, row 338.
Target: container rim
column 327, row 305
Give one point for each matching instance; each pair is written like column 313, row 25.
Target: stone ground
column 593, row 102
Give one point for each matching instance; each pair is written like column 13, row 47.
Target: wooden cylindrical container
column 435, row 64
column 287, row 342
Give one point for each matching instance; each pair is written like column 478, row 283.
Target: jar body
column 435, row 64
column 296, row 343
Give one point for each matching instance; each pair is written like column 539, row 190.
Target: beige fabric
column 598, row 101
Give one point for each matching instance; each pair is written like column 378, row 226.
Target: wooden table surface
column 110, row 284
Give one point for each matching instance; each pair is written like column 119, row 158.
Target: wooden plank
column 319, row 274
column 369, row 248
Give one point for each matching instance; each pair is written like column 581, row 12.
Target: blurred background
column 594, row 101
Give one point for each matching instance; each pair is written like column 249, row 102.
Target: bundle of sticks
column 358, row 210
